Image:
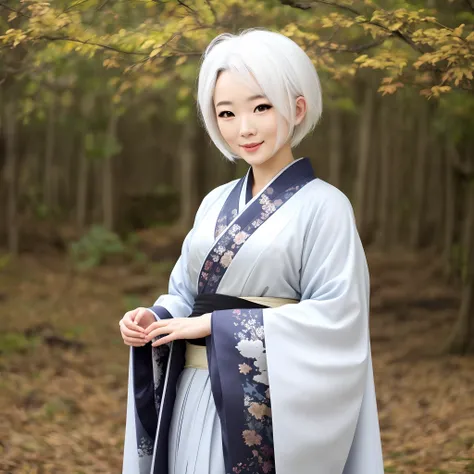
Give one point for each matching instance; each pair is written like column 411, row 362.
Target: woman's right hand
column 133, row 334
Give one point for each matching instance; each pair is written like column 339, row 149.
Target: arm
column 318, row 350
column 310, row 359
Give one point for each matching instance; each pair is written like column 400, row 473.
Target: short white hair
column 279, row 66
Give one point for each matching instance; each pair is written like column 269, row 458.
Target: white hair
column 278, row 65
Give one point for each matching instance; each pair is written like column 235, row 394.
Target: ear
column 300, row 109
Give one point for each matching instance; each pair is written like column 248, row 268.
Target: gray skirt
column 195, row 442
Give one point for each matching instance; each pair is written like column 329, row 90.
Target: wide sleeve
column 318, row 350
column 179, row 301
column 289, row 382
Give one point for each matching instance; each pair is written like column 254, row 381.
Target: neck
column 264, row 173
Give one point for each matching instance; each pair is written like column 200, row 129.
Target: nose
column 247, row 127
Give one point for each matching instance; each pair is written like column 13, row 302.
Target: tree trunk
column 398, row 176
column 435, row 196
column 384, row 215
column 449, row 207
column 11, row 171
column 49, row 177
column 188, row 188
column 82, row 188
column 108, row 176
column 363, row 159
column 419, row 181
column 335, row 147
column 462, row 338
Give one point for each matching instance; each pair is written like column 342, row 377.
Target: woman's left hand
column 179, row 328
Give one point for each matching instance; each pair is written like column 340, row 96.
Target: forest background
column 103, row 163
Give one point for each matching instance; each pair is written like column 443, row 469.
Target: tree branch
column 338, row 6
column 356, row 48
column 187, row 7
column 213, row 11
column 397, row 33
column 92, row 43
column 74, row 5
column 102, row 5
column 13, row 10
column 293, row 4
column 470, row 4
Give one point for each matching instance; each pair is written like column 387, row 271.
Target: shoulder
column 325, row 200
column 217, row 194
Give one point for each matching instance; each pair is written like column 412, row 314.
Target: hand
column 144, row 317
column 179, row 328
column 133, row 334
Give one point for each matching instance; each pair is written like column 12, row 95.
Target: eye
column 263, row 107
column 224, row 112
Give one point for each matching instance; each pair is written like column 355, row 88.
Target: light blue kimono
column 304, row 371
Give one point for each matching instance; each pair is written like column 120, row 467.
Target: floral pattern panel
column 239, row 379
column 230, row 209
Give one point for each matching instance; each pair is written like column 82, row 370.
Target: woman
column 272, row 373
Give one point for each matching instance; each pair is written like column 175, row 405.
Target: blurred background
column 103, row 163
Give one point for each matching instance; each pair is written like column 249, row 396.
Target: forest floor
column 63, row 365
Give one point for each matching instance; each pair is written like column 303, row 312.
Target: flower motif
column 220, row 229
column 240, row 238
column 234, row 229
column 226, row 259
column 244, row 368
column 269, row 207
column 251, row 438
column 250, row 349
column 145, row 447
column 267, row 467
column 220, row 249
column 258, row 410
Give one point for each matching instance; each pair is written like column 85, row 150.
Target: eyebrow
column 250, row 99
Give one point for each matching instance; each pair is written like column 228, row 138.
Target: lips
column 251, row 146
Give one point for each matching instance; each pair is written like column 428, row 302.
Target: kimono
column 289, row 389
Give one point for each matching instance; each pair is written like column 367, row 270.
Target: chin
column 256, row 159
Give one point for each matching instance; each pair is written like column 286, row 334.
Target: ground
column 64, row 365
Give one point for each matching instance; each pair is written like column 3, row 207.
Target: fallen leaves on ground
column 64, row 366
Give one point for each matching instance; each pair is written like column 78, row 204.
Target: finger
column 133, row 343
column 130, row 333
column 165, row 339
column 139, row 315
column 131, row 325
column 158, row 332
column 155, row 325
column 129, row 315
column 134, row 339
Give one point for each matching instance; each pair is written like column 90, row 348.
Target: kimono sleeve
column 289, row 382
column 318, row 350
column 179, row 301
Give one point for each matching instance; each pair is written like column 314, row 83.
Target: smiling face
column 247, row 120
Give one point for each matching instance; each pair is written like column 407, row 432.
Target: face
column 247, row 120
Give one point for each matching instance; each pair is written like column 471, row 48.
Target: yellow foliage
column 138, row 36
column 390, row 88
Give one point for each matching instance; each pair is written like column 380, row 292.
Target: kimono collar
column 248, row 180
